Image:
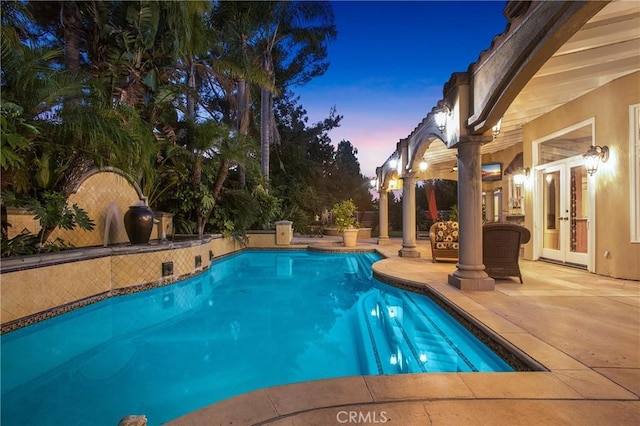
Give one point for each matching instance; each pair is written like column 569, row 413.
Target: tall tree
column 291, row 38
column 349, row 182
column 238, row 68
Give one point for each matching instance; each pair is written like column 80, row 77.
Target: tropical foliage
column 193, row 101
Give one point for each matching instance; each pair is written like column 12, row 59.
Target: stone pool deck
column 584, row 328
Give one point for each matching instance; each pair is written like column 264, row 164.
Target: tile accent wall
column 38, row 289
column 34, row 290
column 21, row 220
column 41, row 287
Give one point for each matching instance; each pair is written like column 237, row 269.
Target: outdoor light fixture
column 393, row 184
column 373, row 183
column 441, row 118
column 423, row 166
column 393, row 163
column 593, row 156
column 496, row 128
column 519, row 178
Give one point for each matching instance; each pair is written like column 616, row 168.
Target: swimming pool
column 253, row 320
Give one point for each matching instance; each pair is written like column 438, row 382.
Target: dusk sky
column 389, row 64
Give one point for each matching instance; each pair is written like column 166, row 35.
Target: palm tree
column 291, row 38
column 239, row 66
column 198, row 167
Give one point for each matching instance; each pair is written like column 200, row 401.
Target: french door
column 564, row 215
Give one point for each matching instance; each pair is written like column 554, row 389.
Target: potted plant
column 345, row 221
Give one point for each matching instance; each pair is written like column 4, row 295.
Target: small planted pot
column 138, row 222
column 350, row 237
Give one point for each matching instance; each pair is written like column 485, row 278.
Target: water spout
column 112, row 221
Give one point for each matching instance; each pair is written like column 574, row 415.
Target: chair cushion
column 446, row 232
column 446, row 245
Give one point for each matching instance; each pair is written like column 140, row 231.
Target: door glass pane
column 579, row 210
column 551, row 206
column 497, row 203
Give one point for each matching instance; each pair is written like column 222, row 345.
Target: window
column 497, row 203
column 634, row 168
column 567, row 143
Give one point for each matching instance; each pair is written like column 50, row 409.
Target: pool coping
column 373, row 394
column 19, row 263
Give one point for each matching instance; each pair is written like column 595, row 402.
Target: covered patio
column 562, row 79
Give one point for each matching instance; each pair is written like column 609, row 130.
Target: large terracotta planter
column 138, row 222
column 350, row 237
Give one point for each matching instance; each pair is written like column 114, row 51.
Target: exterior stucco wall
column 505, row 157
column 609, row 107
column 261, row 239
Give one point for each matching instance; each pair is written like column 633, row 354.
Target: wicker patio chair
column 501, row 248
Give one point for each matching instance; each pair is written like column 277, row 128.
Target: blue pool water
column 255, row 319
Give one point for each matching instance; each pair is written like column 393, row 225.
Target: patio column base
column 408, row 252
column 471, row 279
column 384, row 241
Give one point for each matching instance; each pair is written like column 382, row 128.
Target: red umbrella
column 433, row 208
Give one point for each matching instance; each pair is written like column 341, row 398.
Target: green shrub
column 344, row 215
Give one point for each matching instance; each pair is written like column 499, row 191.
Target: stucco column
column 470, row 274
column 383, row 217
column 409, row 248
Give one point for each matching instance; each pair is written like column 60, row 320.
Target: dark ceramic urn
column 138, row 222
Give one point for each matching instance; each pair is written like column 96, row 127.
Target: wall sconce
column 593, row 156
column 496, row 128
column 373, row 183
column 519, row 178
column 393, row 163
column 441, row 118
